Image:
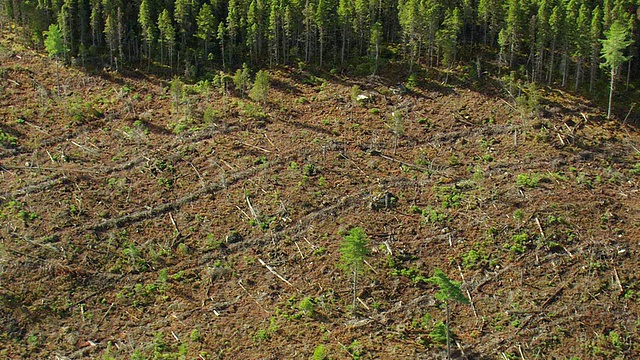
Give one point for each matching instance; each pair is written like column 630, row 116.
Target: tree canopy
column 545, row 39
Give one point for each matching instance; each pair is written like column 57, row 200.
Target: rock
column 233, row 237
column 384, row 200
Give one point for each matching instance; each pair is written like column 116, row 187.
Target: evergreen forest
column 549, row 41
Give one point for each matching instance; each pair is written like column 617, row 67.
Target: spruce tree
column 449, row 291
column 613, row 46
column 54, row 44
column 353, row 251
column 594, row 38
column 148, row 28
column 260, row 90
column 167, row 36
column 206, row 27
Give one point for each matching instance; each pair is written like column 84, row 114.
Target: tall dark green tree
column 447, row 36
column 613, row 46
column 353, row 251
column 167, row 36
column 556, row 27
column 581, row 44
column 594, row 37
column 206, row 27
column 148, row 28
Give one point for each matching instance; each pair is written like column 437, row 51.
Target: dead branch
column 275, row 273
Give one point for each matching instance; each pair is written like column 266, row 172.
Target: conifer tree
column 182, row 13
column 374, row 44
column 542, row 36
column 555, row 29
column 96, row 22
column 148, row 28
column 256, row 23
column 513, row 29
column 345, row 14
column 613, row 46
column 594, row 38
column 449, row 291
column 275, row 25
column 233, row 29
column 353, row 251
column 206, row 27
column 220, row 35
column 54, row 44
column 322, row 21
column 167, row 36
column 241, row 79
column 260, row 90
column 581, row 44
column 447, row 36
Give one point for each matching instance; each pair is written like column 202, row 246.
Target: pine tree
column 542, row 36
column 233, row 29
column 594, row 37
column 353, row 251
column 581, row 44
column 449, row 291
column 556, row 27
column 111, row 33
column 54, row 44
column 220, row 35
column 322, row 22
column 374, row 44
column 182, row 17
column 148, row 28
column 260, row 89
column 447, row 36
column 241, row 79
column 274, row 38
column 206, row 27
column 513, row 29
column 345, row 18
column 255, row 29
column 615, row 42
column 167, row 36
column 96, row 22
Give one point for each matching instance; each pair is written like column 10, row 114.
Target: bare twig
column 242, row 211
column 198, row 173
column 540, row 228
column 300, row 251
column 520, row 351
column 175, row 226
column 370, row 267
column 106, row 313
column 629, row 113
column 615, row 272
column 256, row 147
column 363, row 304
column 352, row 162
column 275, row 273
column 253, row 211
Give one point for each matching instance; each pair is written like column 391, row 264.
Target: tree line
column 553, row 41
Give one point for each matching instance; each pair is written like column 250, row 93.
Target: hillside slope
column 142, row 220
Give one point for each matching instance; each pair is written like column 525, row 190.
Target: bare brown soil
column 125, row 236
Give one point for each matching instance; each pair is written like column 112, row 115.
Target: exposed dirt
column 129, row 232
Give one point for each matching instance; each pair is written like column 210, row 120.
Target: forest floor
column 138, row 224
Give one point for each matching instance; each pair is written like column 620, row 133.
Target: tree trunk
column 448, row 335
column 613, row 73
column 355, row 278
